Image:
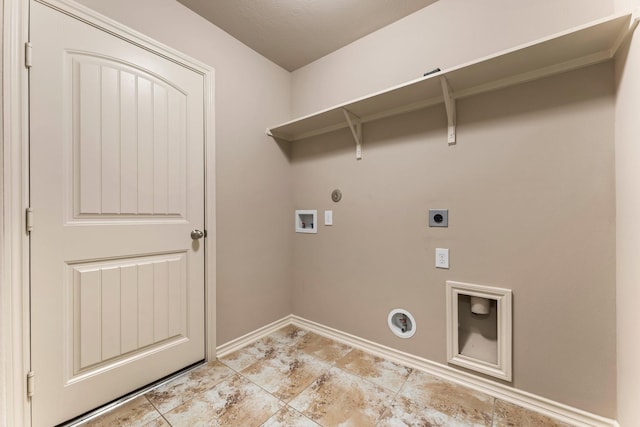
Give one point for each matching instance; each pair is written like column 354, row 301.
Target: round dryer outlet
column 401, row 323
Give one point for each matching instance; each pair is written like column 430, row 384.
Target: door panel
column 124, row 307
column 123, row 121
column 117, row 185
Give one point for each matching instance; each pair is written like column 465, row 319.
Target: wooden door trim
column 14, row 241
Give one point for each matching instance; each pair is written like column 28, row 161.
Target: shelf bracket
column 450, row 105
column 355, row 124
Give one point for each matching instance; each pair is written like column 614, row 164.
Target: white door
column 117, row 186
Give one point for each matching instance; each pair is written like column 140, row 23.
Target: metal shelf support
column 450, row 106
column 355, row 124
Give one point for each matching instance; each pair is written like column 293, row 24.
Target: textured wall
column 252, row 173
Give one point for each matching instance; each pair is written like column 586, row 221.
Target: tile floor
column 298, row 378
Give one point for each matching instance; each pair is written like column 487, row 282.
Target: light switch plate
column 442, row 258
column 328, row 217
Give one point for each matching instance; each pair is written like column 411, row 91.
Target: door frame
column 15, row 319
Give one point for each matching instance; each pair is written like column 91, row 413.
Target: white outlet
column 442, row 258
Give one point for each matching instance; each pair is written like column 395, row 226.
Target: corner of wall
column 627, row 150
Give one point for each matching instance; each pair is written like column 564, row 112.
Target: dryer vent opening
column 401, row 323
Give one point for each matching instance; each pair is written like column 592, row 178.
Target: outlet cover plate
column 438, row 217
column 442, row 258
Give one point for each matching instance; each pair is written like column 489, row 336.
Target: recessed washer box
column 438, row 217
column 306, row 221
column 479, row 328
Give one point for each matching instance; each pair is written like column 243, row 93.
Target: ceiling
column 293, row 33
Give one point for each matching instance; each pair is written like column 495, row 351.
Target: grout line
column 557, row 411
column 285, row 403
column 397, row 393
column 166, row 420
column 334, row 364
column 151, row 403
column 326, row 366
column 158, row 410
column 493, row 413
column 395, row 398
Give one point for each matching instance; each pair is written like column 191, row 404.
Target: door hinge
column 28, row 55
column 30, row 384
column 29, row 219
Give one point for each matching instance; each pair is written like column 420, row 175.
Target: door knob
column 197, row 234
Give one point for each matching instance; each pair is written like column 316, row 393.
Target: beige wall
column 530, row 193
column 253, row 174
column 627, row 137
column 540, row 154
column 530, row 188
column 444, row 34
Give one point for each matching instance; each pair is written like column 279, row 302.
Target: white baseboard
column 236, row 344
column 555, row 410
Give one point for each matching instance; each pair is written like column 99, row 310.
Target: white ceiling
column 293, row 33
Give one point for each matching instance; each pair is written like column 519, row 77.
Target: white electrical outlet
column 442, row 258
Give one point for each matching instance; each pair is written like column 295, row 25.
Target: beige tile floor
column 297, row 378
